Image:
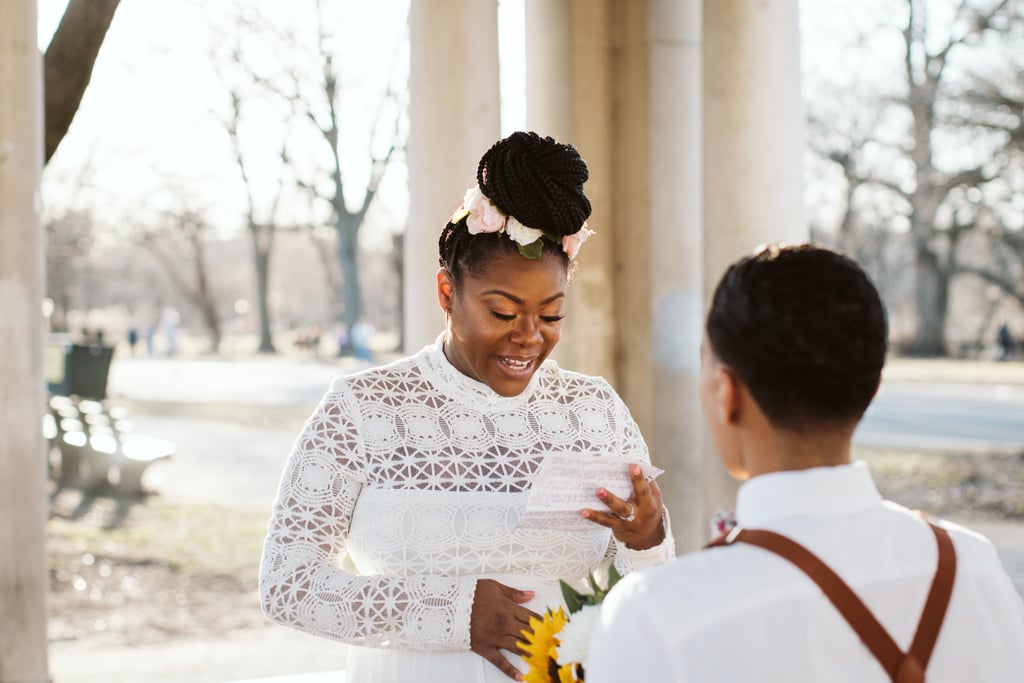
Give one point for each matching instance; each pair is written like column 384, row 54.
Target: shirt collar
column 831, row 490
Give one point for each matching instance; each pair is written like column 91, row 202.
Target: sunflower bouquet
column 556, row 645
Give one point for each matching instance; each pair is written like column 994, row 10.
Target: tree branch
column 69, row 61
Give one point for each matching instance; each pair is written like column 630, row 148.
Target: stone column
column 753, row 144
column 454, row 116
column 631, row 274
column 676, row 272
column 624, row 80
column 23, row 562
column 567, row 97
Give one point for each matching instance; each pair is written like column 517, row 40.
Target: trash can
column 77, row 369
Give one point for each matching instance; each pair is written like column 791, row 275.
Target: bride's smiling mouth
column 517, row 365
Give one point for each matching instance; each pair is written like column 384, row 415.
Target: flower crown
column 484, row 216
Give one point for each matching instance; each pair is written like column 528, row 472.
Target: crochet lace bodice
column 406, row 486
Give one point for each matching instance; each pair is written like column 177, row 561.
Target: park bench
column 96, row 446
column 92, row 444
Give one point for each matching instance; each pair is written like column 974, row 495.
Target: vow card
column 568, row 482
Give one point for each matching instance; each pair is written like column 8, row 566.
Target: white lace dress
column 405, row 488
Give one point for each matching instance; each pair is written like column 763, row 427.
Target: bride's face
column 504, row 320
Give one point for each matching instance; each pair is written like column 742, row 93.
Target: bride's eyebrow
column 516, row 300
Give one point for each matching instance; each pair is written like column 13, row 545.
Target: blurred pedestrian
column 169, row 324
column 341, row 338
column 362, row 336
column 133, row 339
column 150, row 339
column 1005, row 341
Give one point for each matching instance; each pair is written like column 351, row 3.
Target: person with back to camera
column 396, row 524
column 794, row 344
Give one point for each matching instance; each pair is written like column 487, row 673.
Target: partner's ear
column 727, row 395
column 445, row 289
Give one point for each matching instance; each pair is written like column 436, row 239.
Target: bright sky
column 146, row 116
column 146, row 125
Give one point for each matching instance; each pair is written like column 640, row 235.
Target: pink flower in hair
column 571, row 243
column 484, row 216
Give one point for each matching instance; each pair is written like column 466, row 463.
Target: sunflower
column 540, row 646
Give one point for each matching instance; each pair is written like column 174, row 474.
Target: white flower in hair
column 520, row 233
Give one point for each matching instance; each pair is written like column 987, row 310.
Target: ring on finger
column 630, row 516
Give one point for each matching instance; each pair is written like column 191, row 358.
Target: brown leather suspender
column 902, row 667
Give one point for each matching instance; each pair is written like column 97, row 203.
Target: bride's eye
column 552, row 318
column 503, row 316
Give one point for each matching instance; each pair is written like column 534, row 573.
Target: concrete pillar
column 753, row 144
column 454, row 115
column 657, row 95
column 676, row 272
column 549, row 37
column 627, row 23
column 568, row 67
column 23, row 562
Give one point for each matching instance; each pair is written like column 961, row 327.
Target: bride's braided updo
column 536, row 179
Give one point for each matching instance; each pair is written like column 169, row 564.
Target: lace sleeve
column 302, row 582
column 631, row 445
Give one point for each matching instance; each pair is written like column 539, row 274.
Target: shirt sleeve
column 624, row 645
column 304, row 583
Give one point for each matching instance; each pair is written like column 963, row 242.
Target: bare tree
column 327, row 256
column 949, row 166
column 324, row 112
column 870, row 196
column 192, row 281
column 68, row 226
column 68, row 241
column 1000, row 108
column 261, row 215
column 299, row 92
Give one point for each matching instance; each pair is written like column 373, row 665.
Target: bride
column 397, row 526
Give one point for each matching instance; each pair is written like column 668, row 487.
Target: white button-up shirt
column 740, row 613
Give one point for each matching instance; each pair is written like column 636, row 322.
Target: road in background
column 945, row 416
column 905, row 414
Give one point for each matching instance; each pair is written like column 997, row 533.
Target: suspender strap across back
column 902, row 667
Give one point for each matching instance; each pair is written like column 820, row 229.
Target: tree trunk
column 930, row 282
column 931, row 296
column 68, row 63
column 262, row 260
column 398, row 259
column 204, row 295
column 348, row 241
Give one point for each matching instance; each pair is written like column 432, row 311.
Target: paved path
column 249, row 654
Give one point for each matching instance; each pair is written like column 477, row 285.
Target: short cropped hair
column 805, row 330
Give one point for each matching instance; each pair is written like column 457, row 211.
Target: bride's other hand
column 496, row 622
column 636, row 522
